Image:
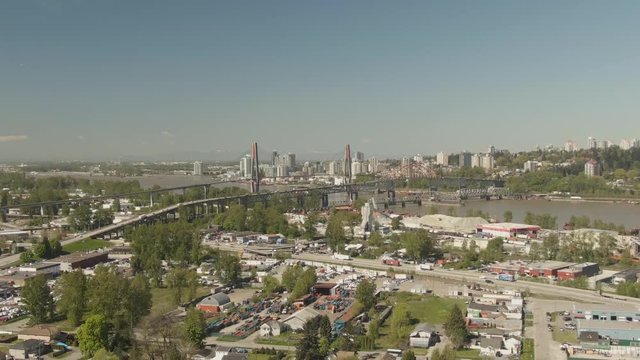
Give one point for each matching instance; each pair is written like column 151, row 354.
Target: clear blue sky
column 103, row 79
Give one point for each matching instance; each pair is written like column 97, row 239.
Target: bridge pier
column 151, row 199
column 353, row 195
column 325, row 200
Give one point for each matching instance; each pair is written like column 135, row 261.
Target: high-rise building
column 442, row 159
column 465, row 160
column 475, row 160
column 291, row 161
column 274, row 158
column 197, row 168
column 570, row 146
column 492, row 150
column 592, row 143
column 592, row 168
column 356, row 168
column 373, row 165
column 359, row 156
column 604, row 144
column 246, row 171
column 486, row 162
column 418, row 158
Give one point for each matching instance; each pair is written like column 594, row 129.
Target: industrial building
column 214, row 303
column 533, row 269
column 80, row 260
column 578, row 270
column 509, row 230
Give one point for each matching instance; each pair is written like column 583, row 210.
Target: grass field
column 253, row 356
column 471, row 354
column 86, row 245
column 162, row 299
column 286, row 339
column 432, row 310
column 528, row 350
column 567, row 336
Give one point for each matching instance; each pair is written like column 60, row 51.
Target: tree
column 419, row 244
column 396, row 222
column 290, row 276
column 400, row 318
column 72, row 289
column 177, row 282
column 550, row 247
column 236, row 218
column 455, row 327
column 195, row 327
column 115, row 207
column 446, row 353
column 310, row 226
column 309, row 347
column 375, row 239
column 228, row 268
column 27, row 257
column 138, row 299
column 56, row 246
column 336, row 237
column 508, row 216
column 80, row 219
column 365, row 294
column 408, row 355
column 494, row 250
column 103, row 217
column 270, row 285
column 93, row 335
column 37, row 299
column 104, row 354
column 304, row 283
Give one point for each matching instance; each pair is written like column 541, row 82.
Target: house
column 204, row 354
column 423, row 336
column 25, row 349
column 297, row 320
column 630, row 275
column 39, row 332
column 214, row 303
column 490, row 346
column 273, row 328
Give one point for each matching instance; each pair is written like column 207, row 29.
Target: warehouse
column 80, row 260
column 578, row 270
column 509, row 230
column 214, row 303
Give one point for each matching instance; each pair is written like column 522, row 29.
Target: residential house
column 423, row 336
column 273, row 328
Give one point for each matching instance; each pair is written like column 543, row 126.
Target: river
column 617, row 213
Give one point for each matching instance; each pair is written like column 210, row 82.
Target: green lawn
column 567, row 336
column 286, row 339
column 471, row 354
column 528, row 349
column 253, row 356
column 432, row 310
column 162, row 299
column 86, row 245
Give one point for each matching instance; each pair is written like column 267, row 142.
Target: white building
column 592, row 168
column 570, row 146
column 592, row 143
column 245, row 167
column 486, row 162
column 476, row 160
column 531, row 166
column 197, row 168
column 442, row 159
column 356, row 168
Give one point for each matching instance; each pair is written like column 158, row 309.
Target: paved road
column 247, row 344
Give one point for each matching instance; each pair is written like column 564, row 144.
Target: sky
column 114, row 79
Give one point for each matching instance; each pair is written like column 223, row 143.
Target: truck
column 392, row 262
column 341, row 256
column 425, row 266
column 506, row 277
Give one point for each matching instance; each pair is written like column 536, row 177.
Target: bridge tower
column 255, row 169
column 347, row 164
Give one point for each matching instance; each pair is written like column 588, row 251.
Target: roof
column 39, row 265
column 628, row 272
column 324, row 285
column 40, row 330
column 27, row 344
column 483, row 307
column 218, row 299
column 422, row 328
column 491, row 342
column 589, row 336
column 507, row 226
column 77, row 256
column 595, row 325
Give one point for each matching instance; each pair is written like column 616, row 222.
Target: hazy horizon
column 141, row 80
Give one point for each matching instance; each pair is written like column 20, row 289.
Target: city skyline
column 106, row 81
